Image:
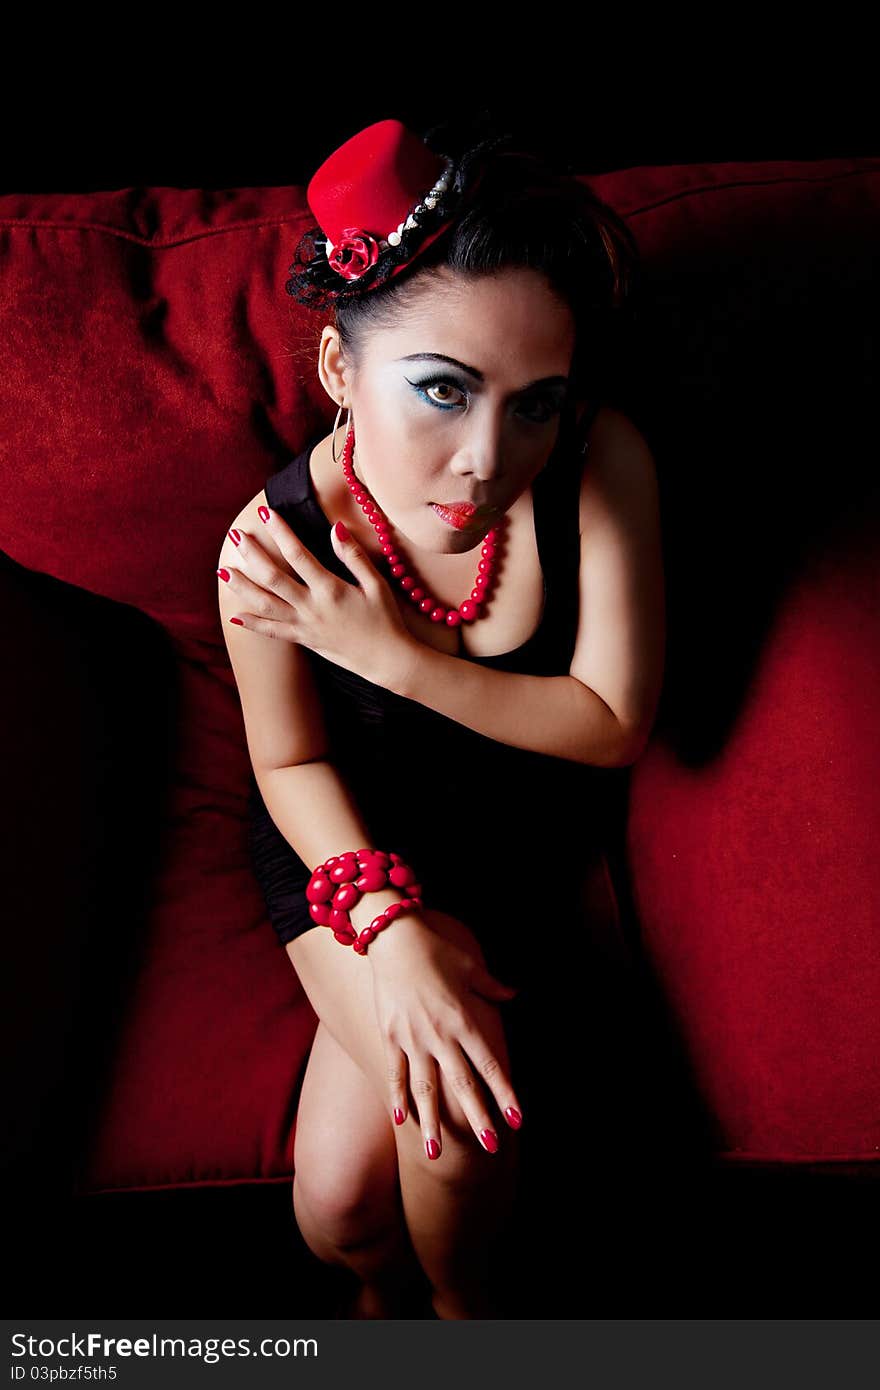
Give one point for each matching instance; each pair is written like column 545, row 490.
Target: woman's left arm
column 603, row 711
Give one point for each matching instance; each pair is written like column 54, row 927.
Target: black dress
column 428, row 786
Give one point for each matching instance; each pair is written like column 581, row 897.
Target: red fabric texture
column 757, row 884
column 155, row 374
column 150, row 390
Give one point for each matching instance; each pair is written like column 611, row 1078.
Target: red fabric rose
column 354, row 253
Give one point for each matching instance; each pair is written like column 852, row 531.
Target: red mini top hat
column 380, row 200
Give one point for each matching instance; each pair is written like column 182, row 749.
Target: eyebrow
column 478, row 375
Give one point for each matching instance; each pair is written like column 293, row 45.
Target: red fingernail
column 224, row 574
column 342, row 530
column 263, row 513
column 235, row 537
column 513, row 1116
column 398, row 1115
column 433, row 1148
column 490, row 1140
column 237, row 620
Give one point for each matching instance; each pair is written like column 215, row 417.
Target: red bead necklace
column 465, row 612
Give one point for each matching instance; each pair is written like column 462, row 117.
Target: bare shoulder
column 248, row 519
column 621, row 635
column 615, row 441
column 619, row 467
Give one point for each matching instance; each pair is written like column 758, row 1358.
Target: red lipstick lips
column 461, row 515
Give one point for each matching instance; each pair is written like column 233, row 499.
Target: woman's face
column 476, row 426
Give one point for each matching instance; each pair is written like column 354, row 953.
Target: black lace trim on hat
column 315, row 283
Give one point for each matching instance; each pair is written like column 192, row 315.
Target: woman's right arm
column 303, row 791
column 419, row 976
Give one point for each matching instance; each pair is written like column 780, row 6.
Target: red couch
column 155, row 374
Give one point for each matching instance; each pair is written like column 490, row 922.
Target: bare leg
column 453, row 1219
column 456, row 1205
column 346, row 1193
column 453, row 1206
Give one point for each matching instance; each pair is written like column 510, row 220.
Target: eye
column 435, row 384
column 546, row 408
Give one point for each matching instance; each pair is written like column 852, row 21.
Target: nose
column 480, row 455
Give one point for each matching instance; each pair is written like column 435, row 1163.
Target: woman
column 408, row 705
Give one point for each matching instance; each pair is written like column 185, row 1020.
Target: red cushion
column 150, row 390
column 755, row 813
column 756, row 881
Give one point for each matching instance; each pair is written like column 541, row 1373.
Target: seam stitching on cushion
column 296, row 218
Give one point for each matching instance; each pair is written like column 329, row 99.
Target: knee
column 348, row 1214
column 463, row 1164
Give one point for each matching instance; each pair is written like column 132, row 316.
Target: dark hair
column 525, row 212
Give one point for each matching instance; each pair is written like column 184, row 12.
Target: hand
column 431, row 1005
column 356, row 626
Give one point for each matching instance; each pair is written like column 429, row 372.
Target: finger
column 423, row 1084
column 469, row 1093
column 491, row 1070
column 267, row 589
column 264, row 566
column 298, row 556
column 396, row 1072
column 352, row 554
column 483, row 982
column 267, row 613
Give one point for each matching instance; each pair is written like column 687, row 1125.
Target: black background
column 260, row 107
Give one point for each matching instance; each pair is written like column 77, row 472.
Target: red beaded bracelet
column 343, row 879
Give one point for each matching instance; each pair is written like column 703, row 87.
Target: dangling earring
column 335, row 428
